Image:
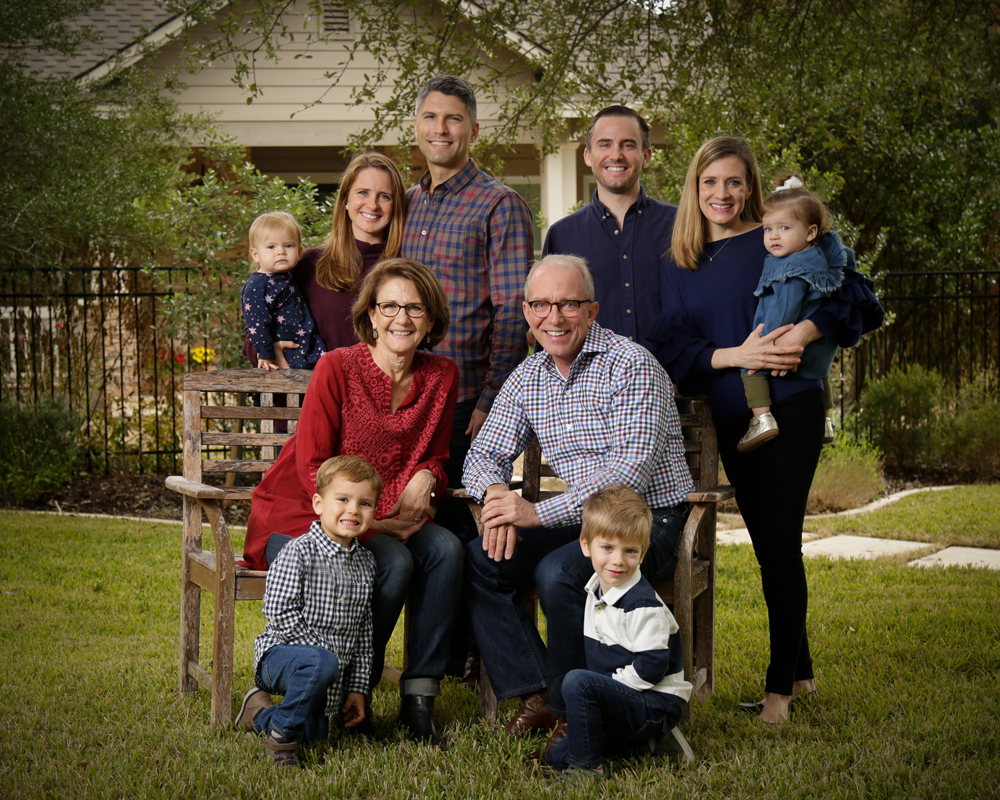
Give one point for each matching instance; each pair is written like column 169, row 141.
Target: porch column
column 559, row 182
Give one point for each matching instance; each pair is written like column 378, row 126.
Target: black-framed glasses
column 568, row 308
column 413, row 310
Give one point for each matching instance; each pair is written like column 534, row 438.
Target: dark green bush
column 902, row 410
column 970, row 441
column 38, row 449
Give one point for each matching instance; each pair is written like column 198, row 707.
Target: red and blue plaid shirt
column 474, row 233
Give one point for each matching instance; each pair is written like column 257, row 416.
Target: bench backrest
column 701, row 449
column 224, row 433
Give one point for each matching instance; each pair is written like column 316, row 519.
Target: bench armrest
column 199, row 491
column 714, row 495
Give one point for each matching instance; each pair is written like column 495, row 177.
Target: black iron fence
column 88, row 336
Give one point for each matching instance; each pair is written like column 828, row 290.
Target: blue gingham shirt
column 319, row 593
column 474, row 234
column 613, row 420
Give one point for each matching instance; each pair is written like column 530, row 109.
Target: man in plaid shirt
column 603, row 410
column 474, row 233
column 318, row 640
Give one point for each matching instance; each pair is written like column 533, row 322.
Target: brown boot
column 558, row 734
column 533, row 715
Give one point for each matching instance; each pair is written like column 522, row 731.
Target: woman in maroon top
column 392, row 404
column 367, row 226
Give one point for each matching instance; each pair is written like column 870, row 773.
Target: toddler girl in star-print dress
column 273, row 308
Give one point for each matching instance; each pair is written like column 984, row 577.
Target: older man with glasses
column 603, row 410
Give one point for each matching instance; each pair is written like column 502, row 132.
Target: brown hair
column 617, row 512
column 354, row 468
column 619, row 111
column 688, row 242
column 274, row 220
column 431, row 294
column 340, row 262
column 803, row 205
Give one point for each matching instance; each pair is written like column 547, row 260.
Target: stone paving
column 846, row 546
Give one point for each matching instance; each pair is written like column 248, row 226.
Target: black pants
column 772, row 486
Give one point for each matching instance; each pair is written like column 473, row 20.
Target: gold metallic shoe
column 762, row 429
column 828, row 433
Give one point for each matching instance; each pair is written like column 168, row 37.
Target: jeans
column 517, row 660
column 773, row 511
column 428, row 568
column 605, row 717
column 458, row 448
column 302, row 674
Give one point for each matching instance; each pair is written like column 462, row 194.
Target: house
column 288, row 133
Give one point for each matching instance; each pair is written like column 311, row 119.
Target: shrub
column 849, row 475
column 39, row 449
column 901, row 410
column 970, row 443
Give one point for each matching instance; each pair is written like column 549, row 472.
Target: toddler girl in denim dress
column 805, row 265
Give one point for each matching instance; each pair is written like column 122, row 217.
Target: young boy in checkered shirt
column 633, row 691
column 317, row 644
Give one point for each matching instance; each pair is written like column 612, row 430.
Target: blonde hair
column 687, row 245
column 274, row 220
column 353, row 468
column 340, row 263
column 428, row 286
column 617, row 512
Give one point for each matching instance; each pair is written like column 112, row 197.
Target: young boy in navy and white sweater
column 633, row 691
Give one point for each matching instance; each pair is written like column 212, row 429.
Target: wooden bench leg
column 190, row 628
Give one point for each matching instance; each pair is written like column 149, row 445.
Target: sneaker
column 674, row 746
column 254, row 701
column 282, row 751
column 762, row 429
column 578, row 775
column 828, row 432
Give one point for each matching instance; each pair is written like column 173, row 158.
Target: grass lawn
column 907, row 664
column 967, row 516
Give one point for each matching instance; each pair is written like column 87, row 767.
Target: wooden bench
column 220, row 422
column 691, row 591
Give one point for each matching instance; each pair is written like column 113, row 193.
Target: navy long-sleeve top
column 624, row 259
column 713, row 307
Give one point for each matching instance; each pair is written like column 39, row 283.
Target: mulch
column 125, row 496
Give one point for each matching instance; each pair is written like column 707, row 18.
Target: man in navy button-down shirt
column 622, row 233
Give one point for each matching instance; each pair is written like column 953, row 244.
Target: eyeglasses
column 568, row 308
column 413, row 310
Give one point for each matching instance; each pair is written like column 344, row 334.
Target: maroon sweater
column 330, row 309
column 347, row 410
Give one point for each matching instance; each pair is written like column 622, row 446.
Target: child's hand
column 354, row 709
column 266, row 364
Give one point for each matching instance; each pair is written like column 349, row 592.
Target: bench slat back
column 219, row 420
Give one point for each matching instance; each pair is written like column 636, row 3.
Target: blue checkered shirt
column 319, row 593
column 613, row 420
column 474, row 233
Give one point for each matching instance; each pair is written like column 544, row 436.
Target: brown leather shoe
column 557, row 736
column 533, row 715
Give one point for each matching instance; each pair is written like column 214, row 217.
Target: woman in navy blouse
column 706, row 335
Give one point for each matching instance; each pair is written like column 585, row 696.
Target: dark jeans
column 460, row 442
column 517, row 660
column 605, row 718
column 302, row 674
column 428, row 568
column 772, row 486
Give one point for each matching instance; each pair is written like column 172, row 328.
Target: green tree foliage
column 888, row 106
column 80, row 163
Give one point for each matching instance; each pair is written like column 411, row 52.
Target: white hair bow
column 791, row 183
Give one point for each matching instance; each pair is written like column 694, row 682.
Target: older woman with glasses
column 389, row 401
